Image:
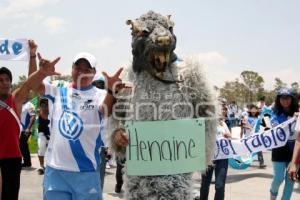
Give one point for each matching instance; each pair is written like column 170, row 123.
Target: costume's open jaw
column 153, row 45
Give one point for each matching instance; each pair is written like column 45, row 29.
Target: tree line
column 249, row 88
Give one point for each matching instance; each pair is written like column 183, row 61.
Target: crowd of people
column 80, row 109
column 285, row 159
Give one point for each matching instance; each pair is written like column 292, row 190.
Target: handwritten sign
column 165, row 147
column 14, row 49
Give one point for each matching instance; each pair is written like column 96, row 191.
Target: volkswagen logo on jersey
column 70, row 125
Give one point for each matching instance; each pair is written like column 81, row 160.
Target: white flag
column 273, row 138
column 14, row 49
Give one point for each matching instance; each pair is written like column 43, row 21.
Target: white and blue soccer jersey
column 75, row 125
column 28, row 111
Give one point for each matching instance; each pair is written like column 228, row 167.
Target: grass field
column 33, row 147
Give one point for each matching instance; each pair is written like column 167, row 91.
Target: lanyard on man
column 11, row 111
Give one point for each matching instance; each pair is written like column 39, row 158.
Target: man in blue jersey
column 76, row 112
column 27, row 121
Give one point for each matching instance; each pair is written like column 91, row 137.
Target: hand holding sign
column 121, row 138
column 227, row 135
column 47, row 67
column 32, row 48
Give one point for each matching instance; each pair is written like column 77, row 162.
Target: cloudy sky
column 227, row 36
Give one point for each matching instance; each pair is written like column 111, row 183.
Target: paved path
column 250, row 184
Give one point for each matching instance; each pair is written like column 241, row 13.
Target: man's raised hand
column 48, row 67
column 32, row 47
column 114, row 83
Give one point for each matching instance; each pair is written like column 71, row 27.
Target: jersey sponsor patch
column 70, row 125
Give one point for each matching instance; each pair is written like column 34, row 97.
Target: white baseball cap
column 87, row 56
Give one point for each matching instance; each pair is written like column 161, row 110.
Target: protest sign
column 165, row 147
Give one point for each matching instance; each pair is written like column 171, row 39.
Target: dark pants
column 25, row 150
column 102, row 166
column 119, row 174
column 10, row 172
column 220, row 167
column 260, row 158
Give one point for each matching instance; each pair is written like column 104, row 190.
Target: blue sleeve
column 274, row 120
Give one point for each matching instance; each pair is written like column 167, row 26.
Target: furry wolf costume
column 161, row 79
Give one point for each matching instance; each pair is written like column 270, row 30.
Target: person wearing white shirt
column 220, row 167
column 27, row 121
column 76, row 113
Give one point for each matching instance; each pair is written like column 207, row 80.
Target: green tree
column 279, row 84
column 21, row 81
column 66, row 78
column 253, row 83
column 251, row 88
column 295, row 87
column 234, row 91
column 269, row 96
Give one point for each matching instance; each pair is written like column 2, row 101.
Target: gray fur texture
column 189, row 92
